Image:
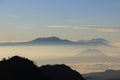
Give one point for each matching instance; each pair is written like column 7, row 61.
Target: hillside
column 18, row 68
column 106, row 75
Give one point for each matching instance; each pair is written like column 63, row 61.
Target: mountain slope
column 60, row 72
column 18, row 68
column 106, row 75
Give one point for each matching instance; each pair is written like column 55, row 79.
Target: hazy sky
column 22, row 20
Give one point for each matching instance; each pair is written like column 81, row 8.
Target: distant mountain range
column 106, row 75
column 58, row 41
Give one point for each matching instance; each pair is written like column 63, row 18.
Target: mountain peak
column 50, row 41
column 99, row 40
column 92, row 51
column 47, row 39
column 110, row 70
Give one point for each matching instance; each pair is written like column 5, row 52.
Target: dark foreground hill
column 17, row 68
column 59, row 72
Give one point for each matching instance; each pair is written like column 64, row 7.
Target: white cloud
column 100, row 28
column 91, row 27
column 57, row 26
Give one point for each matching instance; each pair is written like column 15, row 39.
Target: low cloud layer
column 91, row 27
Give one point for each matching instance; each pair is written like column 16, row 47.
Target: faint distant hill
column 92, row 55
column 58, row 41
column 106, row 75
column 18, row 68
column 59, row 72
column 98, row 41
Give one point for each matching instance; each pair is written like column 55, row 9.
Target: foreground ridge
column 19, row 68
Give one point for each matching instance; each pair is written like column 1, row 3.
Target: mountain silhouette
column 106, row 75
column 50, row 41
column 91, row 55
column 60, row 72
column 18, row 68
column 58, row 41
column 89, row 51
column 98, row 41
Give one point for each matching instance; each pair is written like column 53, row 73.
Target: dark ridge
column 19, row 68
column 110, row 70
column 106, row 75
column 59, row 72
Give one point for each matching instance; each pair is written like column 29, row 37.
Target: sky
column 24, row 20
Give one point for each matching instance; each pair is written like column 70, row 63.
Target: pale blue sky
column 75, row 19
